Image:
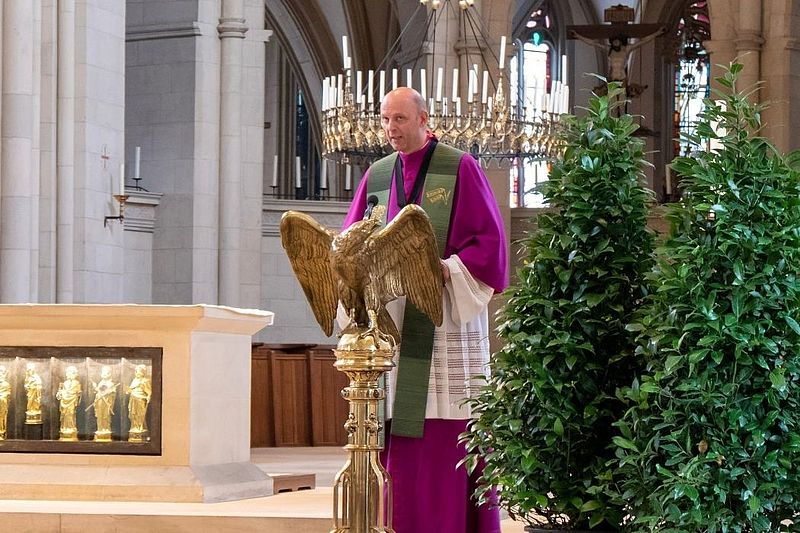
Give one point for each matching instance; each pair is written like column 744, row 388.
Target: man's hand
column 445, row 271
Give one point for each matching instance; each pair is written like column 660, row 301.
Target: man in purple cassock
column 431, row 494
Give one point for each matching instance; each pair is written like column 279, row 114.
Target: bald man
column 432, row 494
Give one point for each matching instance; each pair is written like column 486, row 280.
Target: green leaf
column 625, row 443
column 558, row 427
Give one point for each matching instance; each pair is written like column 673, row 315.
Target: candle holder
column 121, row 198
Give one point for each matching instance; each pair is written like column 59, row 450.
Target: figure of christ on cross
column 615, row 40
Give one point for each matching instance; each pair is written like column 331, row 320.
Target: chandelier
column 487, row 120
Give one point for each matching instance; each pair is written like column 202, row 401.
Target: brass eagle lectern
column 364, row 267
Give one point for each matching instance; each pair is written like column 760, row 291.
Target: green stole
column 416, row 346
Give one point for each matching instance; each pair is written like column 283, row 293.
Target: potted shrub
column 712, row 439
column 544, row 428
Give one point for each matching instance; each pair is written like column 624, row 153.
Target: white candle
column 339, row 90
column 298, row 180
column 122, row 179
column 423, row 85
column 430, row 106
column 137, row 159
column 668, row 178
column 485, row 90
column 325, row 94
column 394, row 79
column 444, row 106
column 323, row 175
column 502, row 52
column 471, row 85
column 382, row 85
column 566, row 98
column 348, row 177
column 370, row 75
column 440, row 75
column 359, row 87
column 458, row 106
column 274, row 171
column 564, row 68
column 455, row 84
column 344, row 51
column 489, row 103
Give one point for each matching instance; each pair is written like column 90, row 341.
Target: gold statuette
column 69, row 396
column 33, row 392
column 5, row 394
column 140, row 391
column 105, row 393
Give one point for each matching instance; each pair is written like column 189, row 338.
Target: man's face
column 404, row 123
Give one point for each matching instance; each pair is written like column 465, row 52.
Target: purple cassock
column 432, row 495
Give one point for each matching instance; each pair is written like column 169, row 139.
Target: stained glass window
column 692, row 74
column 530, row 72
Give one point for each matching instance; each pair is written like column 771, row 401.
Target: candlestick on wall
column 120, row 197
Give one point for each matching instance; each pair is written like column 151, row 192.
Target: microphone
column 372, row 201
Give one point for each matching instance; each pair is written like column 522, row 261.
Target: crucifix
column 615, row 40
column 105, row 156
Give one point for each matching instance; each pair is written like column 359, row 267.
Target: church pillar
column 36, row 162
column 748, row 43
column 231, row 32
column 16, row 160
column 65, row 151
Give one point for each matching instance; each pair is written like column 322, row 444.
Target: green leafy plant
column 712, row 439
column 545, row 419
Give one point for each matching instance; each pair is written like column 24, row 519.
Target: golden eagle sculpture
column 366, row 266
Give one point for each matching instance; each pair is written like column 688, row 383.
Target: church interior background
column 207, row 104
column 148, row 148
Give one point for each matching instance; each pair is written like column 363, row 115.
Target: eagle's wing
column 405, row 261
column 308, row 245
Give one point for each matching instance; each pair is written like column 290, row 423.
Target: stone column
column 16, row 136
column 231, row 32
column 65, row 152
column 748, row 43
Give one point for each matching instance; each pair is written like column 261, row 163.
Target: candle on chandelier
column 502, row 60
column 325, row 94
column 359, row 87
column 455, row 84
column 298, row 179
column 409, row 77
column 323, row 175
column 274, row 171
column 339, row 90
column 348, row 177
column 485, row 90
column 423, row 85
column 382, row 85
column 440, row 75
column 471, row 85
column 344, row 51
column 370, row 75
column 564, row 68
column 394, row 79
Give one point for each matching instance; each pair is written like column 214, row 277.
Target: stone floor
column 305, row 511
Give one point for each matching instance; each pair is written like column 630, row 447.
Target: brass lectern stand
column 362, row 497
column 365, row 267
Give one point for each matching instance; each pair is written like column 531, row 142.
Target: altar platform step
column 295, row 511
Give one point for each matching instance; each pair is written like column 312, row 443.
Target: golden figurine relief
column 366, row 267
column 140, row 391
column 105, row 393
column 33, row 392
column 5, row 394
column 69, row 396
